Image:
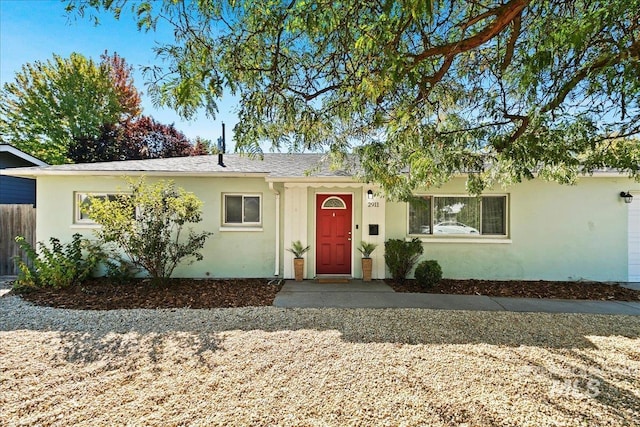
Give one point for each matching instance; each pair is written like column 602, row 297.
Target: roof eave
column 272, row 178
column 8, row 148
column 36, row 172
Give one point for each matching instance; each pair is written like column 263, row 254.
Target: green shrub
column 428, row 273
column 148, row 225
column 58, row 266
column 119, row 270
column 400, row 256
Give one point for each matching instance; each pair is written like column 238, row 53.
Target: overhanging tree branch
column 504, row 16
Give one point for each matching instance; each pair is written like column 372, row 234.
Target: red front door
column 333, row 234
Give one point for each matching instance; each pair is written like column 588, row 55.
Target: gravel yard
column 269, row 366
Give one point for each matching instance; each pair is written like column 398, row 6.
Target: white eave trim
column 607, row 174
column 312, row 179
column 7, row 148
column 35, row 172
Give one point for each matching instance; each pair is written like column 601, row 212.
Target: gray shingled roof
column 273, row 165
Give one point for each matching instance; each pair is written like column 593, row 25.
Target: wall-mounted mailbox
column 373, row 229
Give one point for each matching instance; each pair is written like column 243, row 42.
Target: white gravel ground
column 322, row 367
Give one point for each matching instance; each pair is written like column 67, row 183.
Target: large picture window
column 458, row 215
column 242, row 209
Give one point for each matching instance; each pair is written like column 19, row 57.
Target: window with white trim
column 242, row 209
column 464, row 216
column 83, row 202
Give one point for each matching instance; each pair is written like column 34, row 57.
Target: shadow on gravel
column 114, row 350
column 403, row 326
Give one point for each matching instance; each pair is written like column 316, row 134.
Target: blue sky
column 33, row 30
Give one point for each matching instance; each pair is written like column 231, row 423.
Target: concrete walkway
column 377, row 294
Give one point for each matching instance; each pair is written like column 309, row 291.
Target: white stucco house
column 535, row 230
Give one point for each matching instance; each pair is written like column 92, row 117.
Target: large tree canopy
column 499, row 89
column 52, row 105
column 75, row 110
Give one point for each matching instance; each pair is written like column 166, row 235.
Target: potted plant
column 367, row 263
column 297, row 249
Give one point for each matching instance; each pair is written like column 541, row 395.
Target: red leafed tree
column 202, row 147
column 134, row 136
column 107, row 146
column 122, row 80
column 145, row 138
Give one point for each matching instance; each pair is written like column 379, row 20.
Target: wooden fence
column 15, row 220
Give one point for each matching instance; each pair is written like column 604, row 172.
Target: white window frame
column 478, row 238
column 243, row 225
column 78, row 196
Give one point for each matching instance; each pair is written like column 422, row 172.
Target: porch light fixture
column 370, row 195
column 628, row 197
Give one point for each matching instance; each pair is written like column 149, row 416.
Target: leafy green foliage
column 500, row 90
column 298, row 249
column 400, row 256
column 428, row 273
column 366, row 249
column 58, row 266
column 52, row 104
column 147, row 225
column 120, row 270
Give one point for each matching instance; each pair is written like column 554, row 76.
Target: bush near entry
column 428, row 273
column 400, row 256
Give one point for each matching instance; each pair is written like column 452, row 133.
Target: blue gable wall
column 16, row 190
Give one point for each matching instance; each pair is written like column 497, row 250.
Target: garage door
column 634, row 239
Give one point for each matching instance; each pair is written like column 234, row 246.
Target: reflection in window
column 241, row 209
column 456, row 215
column 462, row 215
column 420, row 215
column 251, row 209
column 233, row 209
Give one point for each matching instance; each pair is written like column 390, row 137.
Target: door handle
column 349, row 239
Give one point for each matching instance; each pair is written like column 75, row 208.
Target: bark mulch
column 100, row 294
column 523, row 289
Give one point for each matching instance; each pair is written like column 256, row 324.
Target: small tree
column 147, row 225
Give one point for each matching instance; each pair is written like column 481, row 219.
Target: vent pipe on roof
column 222, row 148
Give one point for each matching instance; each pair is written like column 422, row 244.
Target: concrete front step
column 354, row 285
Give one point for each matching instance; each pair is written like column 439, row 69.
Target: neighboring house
column 256, row 208
column 16, row 190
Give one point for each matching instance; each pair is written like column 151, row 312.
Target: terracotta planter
column 298, row 269
column 367, row 266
